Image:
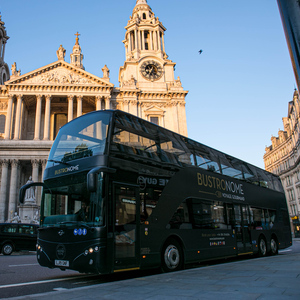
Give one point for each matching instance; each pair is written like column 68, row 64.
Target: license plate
column 62, row 263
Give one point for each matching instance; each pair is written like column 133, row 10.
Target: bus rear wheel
column 172, row 256
column 274, row 246
column 262, row 247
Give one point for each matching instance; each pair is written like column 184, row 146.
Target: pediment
column 154, row 110
column 59, row 73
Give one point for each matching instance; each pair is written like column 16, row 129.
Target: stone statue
column 14, row 71
column 61, row 52
column 36, row 219
column 105, row 71
column 16, row 218
column 29, row 195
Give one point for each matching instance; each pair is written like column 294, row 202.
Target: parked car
column 17, row 237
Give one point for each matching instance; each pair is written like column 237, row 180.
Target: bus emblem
column 61, row 232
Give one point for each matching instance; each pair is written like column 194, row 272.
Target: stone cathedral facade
column 33, row 106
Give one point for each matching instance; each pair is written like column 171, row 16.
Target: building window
column 2, row 123
column 154, row 120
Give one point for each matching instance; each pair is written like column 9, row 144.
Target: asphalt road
column 20, row 274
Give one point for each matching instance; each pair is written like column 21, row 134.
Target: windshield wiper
column 58, row 162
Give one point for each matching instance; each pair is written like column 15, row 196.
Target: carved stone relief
column 60, row 76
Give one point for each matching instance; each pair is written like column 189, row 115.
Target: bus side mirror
column 92, row 182
column 92, row 177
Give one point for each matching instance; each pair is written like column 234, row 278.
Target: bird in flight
column 200, row 51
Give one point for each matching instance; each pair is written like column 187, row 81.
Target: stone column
column 151, row 40
column 35, row 163
column 143, row 40
column 38, row 114
column 3, row 190
column 129, row 42
column 163, row 42
column 35, row 169
column 44, row 164
column 70, row 107
column 158, row 40
column 13, row 191
column 18, row 118
column 136, row 39
column 98, row 102
column 107, row 103
column 8, row 118
column 47, row 117
column 79, row 106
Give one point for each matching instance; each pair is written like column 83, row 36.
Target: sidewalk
column 275, row 277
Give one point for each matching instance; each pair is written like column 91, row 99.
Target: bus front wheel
column 172, row 256
column 262, row 247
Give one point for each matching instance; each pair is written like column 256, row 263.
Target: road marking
column 41, row 281
column 22, row 265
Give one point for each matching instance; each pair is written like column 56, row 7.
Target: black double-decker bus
column 121, row 193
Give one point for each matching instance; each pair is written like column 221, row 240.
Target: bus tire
column 172, row 256
column 7, row 249
column 273, row 246
column 262, row 247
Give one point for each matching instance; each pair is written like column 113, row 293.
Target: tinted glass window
column 10, row 228
column 196, row 213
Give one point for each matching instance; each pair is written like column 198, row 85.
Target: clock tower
column 148, row 87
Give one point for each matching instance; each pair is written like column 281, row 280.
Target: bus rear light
column 144, row 256
column 198, row 252
column 91, row 250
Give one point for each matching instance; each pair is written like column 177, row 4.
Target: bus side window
column 267, row 219
column 180, row 219
column 149, row 198
column 272, row 216
column 258, row 222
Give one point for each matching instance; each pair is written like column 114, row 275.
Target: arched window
column 2, row 123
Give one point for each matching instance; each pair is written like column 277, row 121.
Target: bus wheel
column 274, row 246
column 172, row 257
column 7, row 249
column 262, row 247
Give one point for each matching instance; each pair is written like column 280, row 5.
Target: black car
column 17, row 237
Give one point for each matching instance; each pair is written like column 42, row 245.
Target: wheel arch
column 177, row 239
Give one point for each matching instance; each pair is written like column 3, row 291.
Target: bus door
column 126, row 227
column 242, row 229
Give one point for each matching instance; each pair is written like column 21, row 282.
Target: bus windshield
column 71, row 203
column 80, row 139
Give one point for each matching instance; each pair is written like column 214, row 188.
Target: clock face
column 151, row 70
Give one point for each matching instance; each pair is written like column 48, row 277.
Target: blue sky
column 239, row 87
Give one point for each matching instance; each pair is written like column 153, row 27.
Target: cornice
column 52, row 89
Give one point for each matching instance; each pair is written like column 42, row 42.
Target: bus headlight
column 91, row 250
